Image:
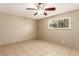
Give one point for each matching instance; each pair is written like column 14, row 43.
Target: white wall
column 70, row 37
column 15, row 29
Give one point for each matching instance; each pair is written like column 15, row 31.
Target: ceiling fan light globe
column 40, row 11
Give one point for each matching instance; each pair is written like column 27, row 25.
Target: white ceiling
column 19, row 9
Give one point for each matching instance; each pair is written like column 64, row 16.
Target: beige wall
column 70, row 37
column 15, row 29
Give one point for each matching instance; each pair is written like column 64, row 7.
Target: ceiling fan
column 41, row 8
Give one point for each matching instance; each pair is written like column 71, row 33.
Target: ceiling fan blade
column 35, row 13
column 31, row 9
column 50, row 9
column 45, row 13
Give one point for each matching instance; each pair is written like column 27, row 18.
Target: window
column 63, row 23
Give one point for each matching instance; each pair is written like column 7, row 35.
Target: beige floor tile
column 1, row 51
column 37, row 48
column 74, row 52
column 65, row 51
column 19, row 51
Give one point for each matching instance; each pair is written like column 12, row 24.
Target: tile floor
column 37, row 48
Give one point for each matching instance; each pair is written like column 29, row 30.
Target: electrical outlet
column 63, row 41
